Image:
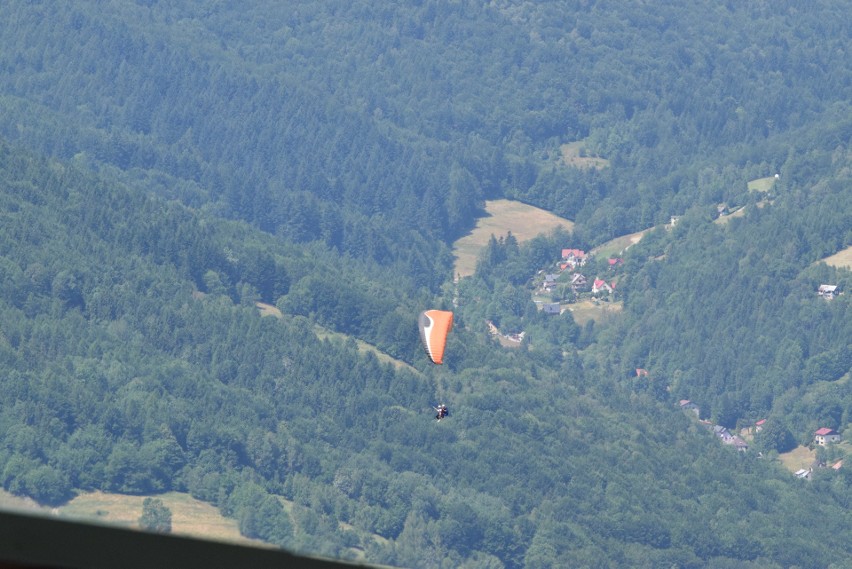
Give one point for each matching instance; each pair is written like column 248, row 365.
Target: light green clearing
column 586, row 310
column 762, row 184
column 572, row 156
column 524, row 221
column 797, row 459
column 323, row 333
column 618, row 245
column 363, row 347
column 723, row 219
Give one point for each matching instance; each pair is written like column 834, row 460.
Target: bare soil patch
column 268, row 310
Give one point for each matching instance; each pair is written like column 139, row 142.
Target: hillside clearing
column 762, row 184
column 524, row 221
column 797, row 459
column 841, row 259
column 586, row 310
column 574, row 154
column 619, row 245
column 723, row 219
column 323, row 333
column 190, row 517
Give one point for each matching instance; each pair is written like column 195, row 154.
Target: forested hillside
column 166, row 166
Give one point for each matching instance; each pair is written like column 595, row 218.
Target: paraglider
column 434, row 327
column 442, row 411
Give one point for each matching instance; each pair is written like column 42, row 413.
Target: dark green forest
column 166, row 166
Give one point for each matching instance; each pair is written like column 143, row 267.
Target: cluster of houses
column 822, row 437
column 572, row 261
column 723, row 433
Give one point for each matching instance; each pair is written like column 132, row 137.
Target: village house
column 826, row 436
column 573, row 258
column 688, row 405
column 551, row 308
column 578, row 280
column 549, row 282
column 601, row 286
column 723, row 433
column 615, row 262
column 758, row 426
column 827, row 291
column 737, row 443
column 641, row 372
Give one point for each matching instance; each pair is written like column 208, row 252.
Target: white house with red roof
column 826, row 436
column 574, row 257
column 600, row 286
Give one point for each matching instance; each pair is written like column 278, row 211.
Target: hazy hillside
column 166, row 166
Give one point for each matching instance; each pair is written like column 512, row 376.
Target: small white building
column 827, row 291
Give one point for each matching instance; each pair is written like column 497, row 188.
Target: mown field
column 798, row 458
column 762, row 184
column 524, row 221
column 586, row 310
column 619, row 245
column 190, row 517
column 841, row 259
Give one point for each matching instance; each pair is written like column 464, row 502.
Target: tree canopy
column 167, row 169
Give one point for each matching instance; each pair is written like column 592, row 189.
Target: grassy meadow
column 573, row 155
column 798, row 458
column 190, row 517
column 762, row 184
column 617, row 246
column 323, row 333
column 586, row 310
column 841, row 259
column 524, row 221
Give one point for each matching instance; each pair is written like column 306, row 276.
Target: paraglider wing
column 434, row 327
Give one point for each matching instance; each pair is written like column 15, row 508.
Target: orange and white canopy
column 434, row 327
